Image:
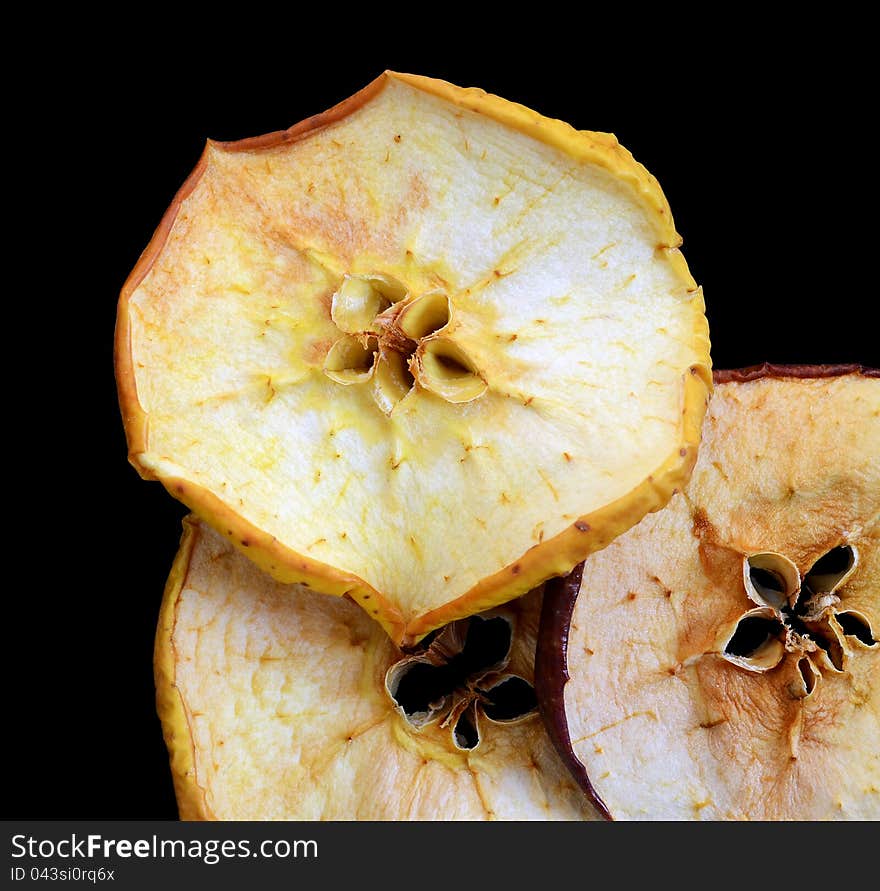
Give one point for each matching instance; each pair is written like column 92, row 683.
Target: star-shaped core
column 392, row 340
column 460, row 677
column 803, row 616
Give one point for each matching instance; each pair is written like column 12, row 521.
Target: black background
column 758, row 139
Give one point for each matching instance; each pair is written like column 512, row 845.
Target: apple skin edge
column 551, row 674
column 560, row 595
column 768, row 369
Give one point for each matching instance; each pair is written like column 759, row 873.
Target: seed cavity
column 351, row 360
column 754, row 643
column 420, row 690
column 856, row 625
column 466, row 733
column 805, row 682
column 831, row 570
column 445, row 369
column 356, row 304
column 392, row 381
column 426, row 315
column 827, row 638
column 771, row 579
column 509, row 700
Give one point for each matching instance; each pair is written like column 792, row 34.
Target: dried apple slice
column 279, row 703
column 721, row 659
column 426, row 349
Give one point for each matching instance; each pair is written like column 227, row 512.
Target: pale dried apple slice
column 278, row 703
column 426, row 349
column 668, row 691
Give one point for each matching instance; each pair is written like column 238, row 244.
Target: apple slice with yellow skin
column 721, row 659
column 427, row 349
column 278, row 703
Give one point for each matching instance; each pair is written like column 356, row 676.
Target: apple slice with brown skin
column 278, row 703
column 721, row 659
